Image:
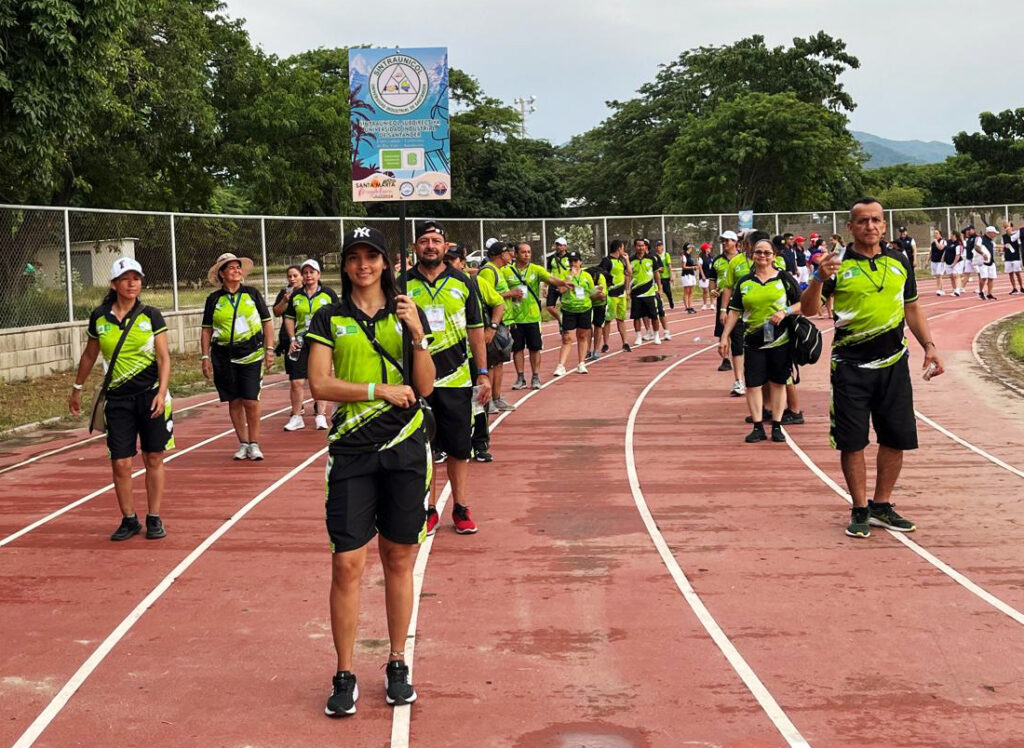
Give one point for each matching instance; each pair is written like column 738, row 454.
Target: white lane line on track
column 981, row 362
column 89, row 497
column 764, row 698
column 88, row 439
column 75, row 682
column 402, row 714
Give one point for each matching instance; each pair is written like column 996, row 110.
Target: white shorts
column 938, row 268
column 966, row 267
column 955, row 269
column 1012, row 266
column 987, row 271
column 689, row 281
column 704, row 282
column 803, row 274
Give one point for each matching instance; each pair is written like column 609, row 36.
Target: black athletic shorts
column 643, row 306
column 762, row 365
column 599, row 315
column 383, row 492
column 883, row 395
column 128, row 420
column 236, row 381
column 736, row 338
column 300, row 365
column 527, row 335
column 453, row 411
column 288, row 364
column 553, row 296
column 576, row 320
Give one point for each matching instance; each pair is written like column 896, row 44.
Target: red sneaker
column 432, row 519
column 464, row 524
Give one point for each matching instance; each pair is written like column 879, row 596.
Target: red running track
column 558, row 624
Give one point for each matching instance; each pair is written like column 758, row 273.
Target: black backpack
column 805, row 342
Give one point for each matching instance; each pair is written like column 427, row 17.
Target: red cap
column 815, row 236
column 799, row 239
column 705, row 245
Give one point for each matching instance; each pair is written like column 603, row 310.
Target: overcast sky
column 928, row 67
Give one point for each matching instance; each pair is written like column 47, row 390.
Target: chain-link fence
column 56, row 261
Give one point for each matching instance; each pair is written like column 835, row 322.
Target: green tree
column 620, row 162
column 766, row 152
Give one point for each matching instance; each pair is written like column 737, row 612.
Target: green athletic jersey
column 616, row 268
column 452, row 308
column 135, row 368
column 666, row 264
column 757, row 301
column 529, row 279
column 719, row 270
column 558, row 265
column 237, row 321
column 645, row 271
column 302, row 306
column 868, row 300
column 741, row 265
column 367, row 425
column 577, row 299
column 600, row 282
column 493, row 283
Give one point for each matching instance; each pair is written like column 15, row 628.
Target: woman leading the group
column 133, row 340
column 378, row 469
column 764, row 299
column 236, row 329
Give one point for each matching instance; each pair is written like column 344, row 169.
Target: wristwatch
column 423, row 345
column 493, row 325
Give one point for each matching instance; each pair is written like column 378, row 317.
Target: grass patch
column 1015, row 340
column 46, row 397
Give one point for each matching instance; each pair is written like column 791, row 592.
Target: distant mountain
column 885, row 152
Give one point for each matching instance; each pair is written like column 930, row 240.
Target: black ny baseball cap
column 367, row 237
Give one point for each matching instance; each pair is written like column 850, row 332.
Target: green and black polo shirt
column 719, row 270
column 645, row 270
column 135, row 369
column 616, row 268
column 758, row 300
column 868, row 298
column 559, row 265
column 237, row 323
column 452, row 307
column 302, row 305
column 578, row 298
column 368, row 425
column 528, row 279
column 493, row 282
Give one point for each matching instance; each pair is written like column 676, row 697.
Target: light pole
column 526, row 106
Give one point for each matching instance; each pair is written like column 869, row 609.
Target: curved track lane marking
column 981, row 361
column 87, row 440
column 400, row 725
column 78, row 502
column 75, row 682
column 764, row 698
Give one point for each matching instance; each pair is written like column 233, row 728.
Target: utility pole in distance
column 526, row 106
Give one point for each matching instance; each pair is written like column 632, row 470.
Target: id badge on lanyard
column 580, row 292
column 435, row 318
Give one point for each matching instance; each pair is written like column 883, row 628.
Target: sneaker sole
column 401, row 702
column 467, row 532
column 859, row 535
column 345, row 713
column 163, row 534
column 880, row 523
column 126, row 537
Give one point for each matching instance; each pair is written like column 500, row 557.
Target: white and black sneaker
column 400, row 690
column 342, row 701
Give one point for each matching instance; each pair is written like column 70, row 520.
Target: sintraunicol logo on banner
column 398, row 84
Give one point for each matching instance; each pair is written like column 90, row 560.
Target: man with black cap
column 906, row 244
column 456, row 323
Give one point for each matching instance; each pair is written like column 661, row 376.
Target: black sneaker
column 883, row 515
column 766, row 415
column 440, row 457
column 342, row 701
column 482, row 455
column 400, row 690
column 789, row 418
column 726, row 365
column 981, row 295
column 859, row 526
column 990, row 297
column 626, row 348
column 777, row 435
column 154, row 527
column 129, row 526
column 756, row 435
column 604, row 348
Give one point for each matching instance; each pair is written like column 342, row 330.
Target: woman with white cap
column 133, row 340
column 301, row 306
column 237, row 328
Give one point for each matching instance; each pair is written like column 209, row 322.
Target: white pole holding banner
column 174, row 266
column 263, row 248
column 67, row 267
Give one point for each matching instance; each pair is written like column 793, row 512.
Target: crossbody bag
column 98, row 419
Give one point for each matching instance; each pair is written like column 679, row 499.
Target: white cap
column 728, row 235
column 991, row 230
column 310, row 264
column 122, row 265
column 561, row 240
column 489, row 242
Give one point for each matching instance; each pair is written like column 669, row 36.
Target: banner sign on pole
column 746, row 220
column 398, row 109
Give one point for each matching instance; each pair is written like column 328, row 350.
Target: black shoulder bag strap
column 524, row 283
column 132, row 316
column 429, row 424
